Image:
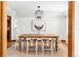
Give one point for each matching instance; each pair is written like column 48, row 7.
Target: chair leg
column 27, row 48
column 24, row 46
column 22, row 43
column 51, row 48
column 20, row 46
column 54, row 45
column 42, row 47
column 36, row 46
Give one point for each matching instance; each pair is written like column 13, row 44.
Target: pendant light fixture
column 39, row 13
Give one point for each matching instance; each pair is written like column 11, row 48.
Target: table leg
column 36, row 46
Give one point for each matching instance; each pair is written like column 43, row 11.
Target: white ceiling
column 27, row 8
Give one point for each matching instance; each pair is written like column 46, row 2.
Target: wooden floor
column 10, row 43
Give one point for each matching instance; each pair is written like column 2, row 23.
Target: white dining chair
column 37, row 44
column 22, row 40
column 47, row 45
column 28, row 40
column 17, row 42
column 30, row 44
column 54, row 44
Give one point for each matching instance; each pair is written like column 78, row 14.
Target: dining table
column 53, row 37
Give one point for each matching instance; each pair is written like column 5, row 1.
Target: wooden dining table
column 55, row 37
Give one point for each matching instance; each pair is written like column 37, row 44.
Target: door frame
column 3, row 28
column 71, row 21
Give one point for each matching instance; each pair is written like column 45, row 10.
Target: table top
column 38, row 36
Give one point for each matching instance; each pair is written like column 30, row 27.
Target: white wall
column 54, row 25
column 76, row 28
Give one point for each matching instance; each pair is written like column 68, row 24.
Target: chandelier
column 39, row 13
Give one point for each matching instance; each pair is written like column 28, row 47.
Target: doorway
column 8, row 28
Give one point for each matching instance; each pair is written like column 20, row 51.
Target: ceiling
column 27, row 8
